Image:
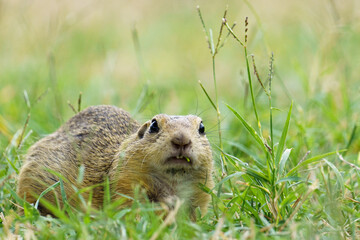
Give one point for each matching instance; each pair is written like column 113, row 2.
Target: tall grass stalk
column 270, row 103
column 214, row 51
column 244, row 45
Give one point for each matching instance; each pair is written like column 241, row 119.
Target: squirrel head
column 173, row 145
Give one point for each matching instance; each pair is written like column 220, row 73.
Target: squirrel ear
column 142, row 129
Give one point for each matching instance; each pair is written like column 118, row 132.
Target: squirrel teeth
column 181, row 157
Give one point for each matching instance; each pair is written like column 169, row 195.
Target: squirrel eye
column 154, row 128
column 201, row 128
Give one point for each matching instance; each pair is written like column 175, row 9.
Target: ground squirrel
column 167, row 157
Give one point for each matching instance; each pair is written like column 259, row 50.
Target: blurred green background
column 50, row 51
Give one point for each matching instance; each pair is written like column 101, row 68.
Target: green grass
column 284, row 127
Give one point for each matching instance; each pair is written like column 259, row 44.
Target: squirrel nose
column 180, row 142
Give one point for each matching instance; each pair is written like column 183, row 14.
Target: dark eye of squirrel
column 201, row 128
column 154, row 128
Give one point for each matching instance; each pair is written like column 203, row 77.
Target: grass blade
column 283, row 160
column 338, row 175
column 351, row 139
column 107, row 196
column 232, row 32
column 250, row 129
column 312, row 160
column 207, row 95
column 289, row 179
column 11, row 164
column 256, row 174
column 237, row 174
column 251, row 88
column 281, row 146
column 52, row 187
column 245, row 150
column 265, row 190
column 56, row 211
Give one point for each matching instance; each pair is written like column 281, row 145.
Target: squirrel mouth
column 179, row 160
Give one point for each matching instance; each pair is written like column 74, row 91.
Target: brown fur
column 110, row 144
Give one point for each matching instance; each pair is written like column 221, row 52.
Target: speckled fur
column 109, row 143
